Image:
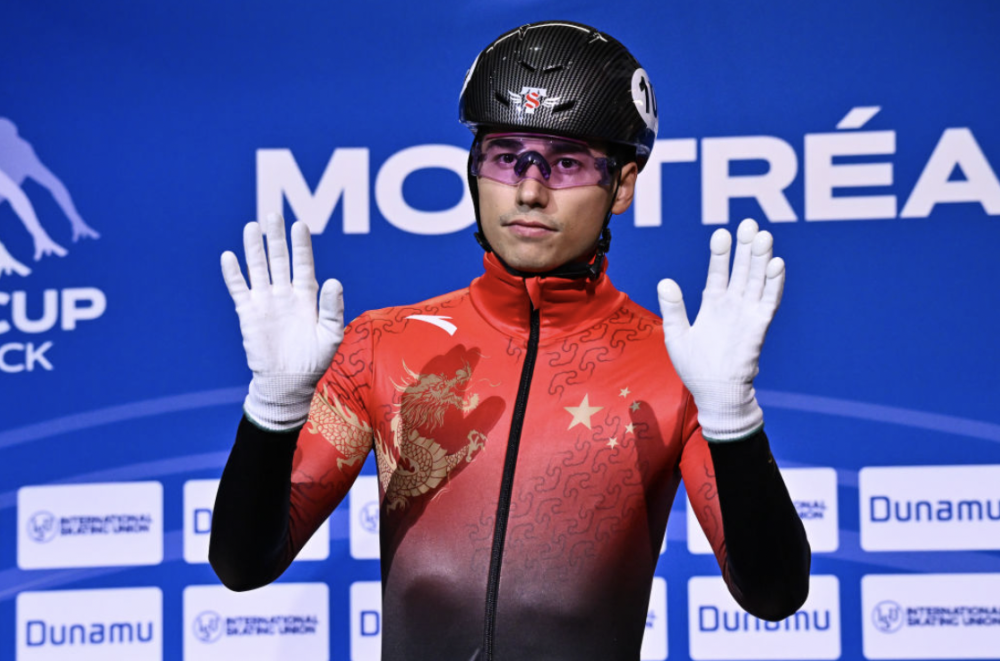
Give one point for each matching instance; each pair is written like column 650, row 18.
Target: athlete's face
column 534, row 227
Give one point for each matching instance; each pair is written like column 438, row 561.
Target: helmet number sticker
column 644, row 98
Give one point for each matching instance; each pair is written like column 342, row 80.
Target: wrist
column 727, row 411
column 280, row 402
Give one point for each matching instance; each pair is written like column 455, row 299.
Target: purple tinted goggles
column 553, row 161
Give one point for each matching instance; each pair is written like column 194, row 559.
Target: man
column 530, row 430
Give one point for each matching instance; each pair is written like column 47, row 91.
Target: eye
column 505, row 158
column 567, row 164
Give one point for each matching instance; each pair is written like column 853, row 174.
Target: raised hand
column 288, row 342
column 717, row 356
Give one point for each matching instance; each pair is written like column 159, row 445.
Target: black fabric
column 249, row 542
column 768, row 553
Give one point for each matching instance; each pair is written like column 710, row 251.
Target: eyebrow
column 558, row 147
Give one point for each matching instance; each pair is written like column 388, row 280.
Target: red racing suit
column 530, row 435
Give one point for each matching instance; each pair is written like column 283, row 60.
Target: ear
column 626, row 189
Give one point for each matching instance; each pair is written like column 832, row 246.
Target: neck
column 566, row 304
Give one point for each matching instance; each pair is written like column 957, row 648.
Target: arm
column 278, row 487
column 767, row 550
column 289, row 344
column 742, row 505
column 249, row 543
column 727, row 464
column 44, row 176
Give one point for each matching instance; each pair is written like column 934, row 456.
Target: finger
column 253, row 247
column 303, row 271
column 741, row 262
column 235, row 283
column 675, row 319
column 774, row 285
column 277, row 250
column 718, row 263
column 331, row 309
column 760, row 257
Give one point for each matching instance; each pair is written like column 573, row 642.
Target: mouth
column 529, row 228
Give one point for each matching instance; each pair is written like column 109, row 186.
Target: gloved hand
column 716, row 357
column 288, row 344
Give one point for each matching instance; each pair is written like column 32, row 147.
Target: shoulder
column 635, row 315
column 439, row 305
column 641, row 312
column 393, row 320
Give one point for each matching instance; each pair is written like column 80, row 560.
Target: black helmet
column 562, row 78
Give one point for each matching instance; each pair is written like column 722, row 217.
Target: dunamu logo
column 39, row 633
column 883, row 508
column 18, row 162
column 712, row 619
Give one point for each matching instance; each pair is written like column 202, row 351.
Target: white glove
column 716, row 358
column 288, row 344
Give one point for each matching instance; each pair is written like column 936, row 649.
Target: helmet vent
column 564, row 106
column 552, row 68
column 527, row 66
column 501, row 98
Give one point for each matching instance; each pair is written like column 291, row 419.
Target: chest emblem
column 582, row 413
column 436, row 320
column 411, row 462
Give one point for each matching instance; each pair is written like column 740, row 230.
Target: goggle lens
column 552, row 161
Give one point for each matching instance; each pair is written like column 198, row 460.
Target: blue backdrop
column 150, row 131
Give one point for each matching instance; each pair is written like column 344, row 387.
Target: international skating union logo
column 887, row 616
column 18, row 162
column 368, row 517
column 42, row 527
column 207, row 626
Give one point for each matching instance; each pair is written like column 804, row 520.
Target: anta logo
column 436, row 320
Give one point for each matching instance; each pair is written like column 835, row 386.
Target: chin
column 528, row 265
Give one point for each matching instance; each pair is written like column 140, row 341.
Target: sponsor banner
column 930, row 508
column 364, row 518
column 654, row 641
column 720, row 629
column 90, row 525
column 279, row 621
column 366, row 621
column 814, row 494
column 90, row 625
column 931, row 616
column 199, row 500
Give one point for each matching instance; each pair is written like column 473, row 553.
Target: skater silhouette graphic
column 18, row 162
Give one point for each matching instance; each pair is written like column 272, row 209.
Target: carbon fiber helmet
column 562, row 78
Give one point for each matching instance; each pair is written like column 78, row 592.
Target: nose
column 532, row 194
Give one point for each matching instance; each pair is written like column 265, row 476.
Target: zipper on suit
column 507, row 484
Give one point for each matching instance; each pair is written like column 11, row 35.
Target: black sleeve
column 249, row 542
column 768, row 555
